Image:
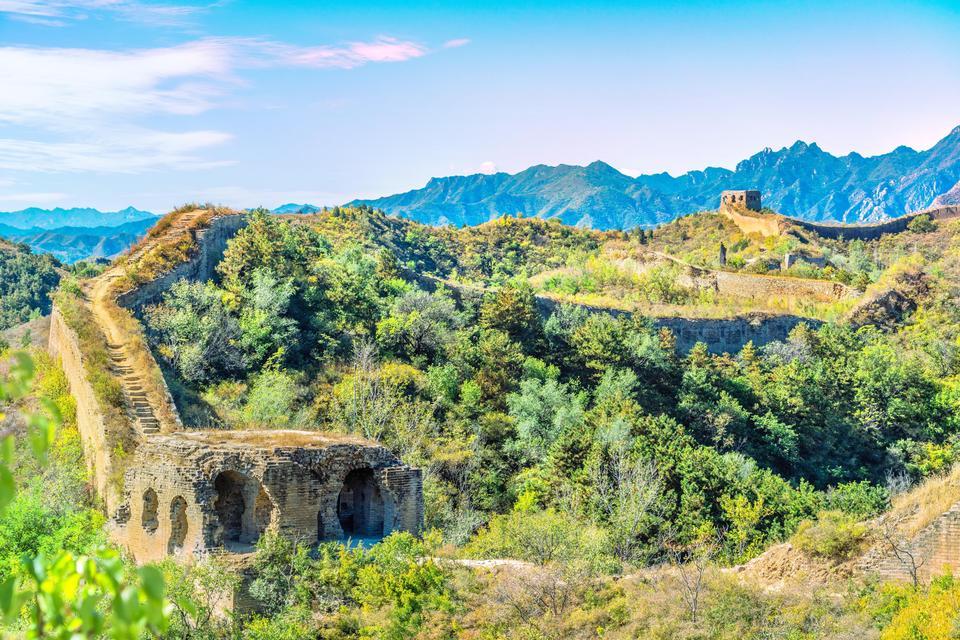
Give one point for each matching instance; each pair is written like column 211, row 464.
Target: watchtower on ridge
column 749, row 200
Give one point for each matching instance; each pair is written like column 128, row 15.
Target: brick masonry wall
column 873, row 231
column 211, row 243
column 302, row 482
column 64, row 344
column 730, row 335
column 761, row 287
column 937, row 547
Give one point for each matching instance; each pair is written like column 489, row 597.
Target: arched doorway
column 148, row 517
column 243, row 507
column 360, row 505
column 178, row 524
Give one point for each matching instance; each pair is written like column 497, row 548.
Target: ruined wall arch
column 243, row 507
column 178, row 525
column 360, row 505
column 148, row 514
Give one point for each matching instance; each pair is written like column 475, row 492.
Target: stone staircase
column 135, row 398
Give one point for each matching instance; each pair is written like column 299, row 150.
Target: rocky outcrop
column 950, row 198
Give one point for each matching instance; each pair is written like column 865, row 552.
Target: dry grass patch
column 917, row 508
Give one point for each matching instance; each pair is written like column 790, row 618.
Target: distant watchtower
column 749, row 200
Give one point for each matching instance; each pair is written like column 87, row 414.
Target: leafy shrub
column 834, row 536
column 858, row 499
column 542, row 537
column 922, row 224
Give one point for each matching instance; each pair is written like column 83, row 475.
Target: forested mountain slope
column 579, row 471
column 26, row 281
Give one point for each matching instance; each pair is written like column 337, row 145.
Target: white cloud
column 133, row 151
column 59, row 13
column 456, row 42
column 61, row 88
column 91, row 99
column 488, row 167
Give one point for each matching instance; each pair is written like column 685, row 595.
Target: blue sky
column 113, row 102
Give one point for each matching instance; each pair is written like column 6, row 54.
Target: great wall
column 750, row 220
column 175, row 490
column 170, row 489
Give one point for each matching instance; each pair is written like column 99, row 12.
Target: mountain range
column 76, row 234
column 70, row 244
column 802, row 180
column 291, row 207
column 75, row 217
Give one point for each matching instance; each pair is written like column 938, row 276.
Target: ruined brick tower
column 749, row 200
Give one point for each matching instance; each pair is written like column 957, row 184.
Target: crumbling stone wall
column 188, row 493
column 765, row 225
column 730, row 335
column 721, row 335
column 211, row 244
column 218, row 491
column 763, row 287
column 935, row 549
column 874, row 231
column 91, row 423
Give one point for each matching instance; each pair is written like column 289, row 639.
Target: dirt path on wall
column 122, row 366
column 103, row 305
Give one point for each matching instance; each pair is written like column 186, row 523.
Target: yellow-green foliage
column 624, row 281
column 503, row 248
column 930, row 614
column 541, row 537
column 834, row 535
column 93, row 346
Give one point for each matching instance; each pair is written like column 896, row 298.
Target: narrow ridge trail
column 103, row 305
column 135, row 399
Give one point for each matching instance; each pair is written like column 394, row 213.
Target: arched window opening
column 243, row 507
column 178, row 525
column 149, row 515
column 229, row 504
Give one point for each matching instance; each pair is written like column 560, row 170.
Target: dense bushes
column 587, row 413
column 26, row 282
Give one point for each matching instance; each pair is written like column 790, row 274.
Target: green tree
column 196, row 333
